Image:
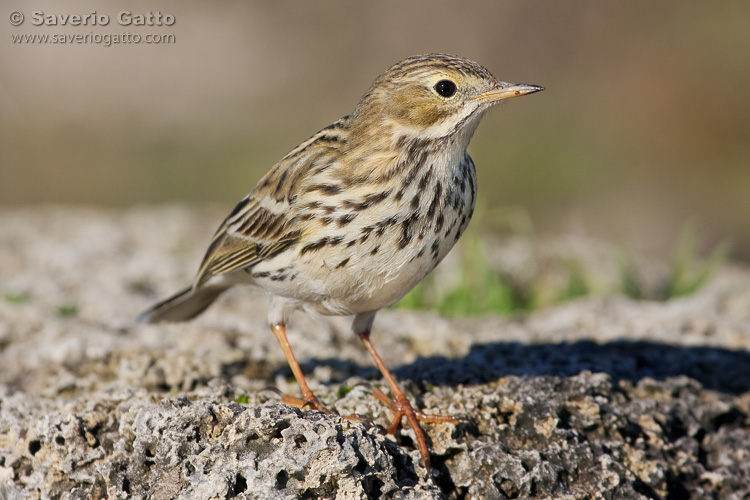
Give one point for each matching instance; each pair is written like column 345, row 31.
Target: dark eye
column 445, row 88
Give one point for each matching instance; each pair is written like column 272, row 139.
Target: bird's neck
column 391, row 150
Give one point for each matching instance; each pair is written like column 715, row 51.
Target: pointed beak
column 502, row 91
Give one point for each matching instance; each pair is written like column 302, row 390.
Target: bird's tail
column 182, row 306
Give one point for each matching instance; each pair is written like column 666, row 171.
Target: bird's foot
column 401, row 407
column 310, row 402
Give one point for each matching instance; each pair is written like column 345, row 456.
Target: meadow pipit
column 354, row 217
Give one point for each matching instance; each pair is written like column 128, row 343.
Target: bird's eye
column 445, row 88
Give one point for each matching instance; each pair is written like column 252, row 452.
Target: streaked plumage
column 354, row 217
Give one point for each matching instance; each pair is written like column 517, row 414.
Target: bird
column 354, row 217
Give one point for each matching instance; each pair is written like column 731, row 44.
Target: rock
column 598, row 398
column 130, row 448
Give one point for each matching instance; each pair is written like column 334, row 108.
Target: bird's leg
column 308, row 398
column 400, row 406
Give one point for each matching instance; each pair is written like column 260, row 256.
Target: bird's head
column 434, row 96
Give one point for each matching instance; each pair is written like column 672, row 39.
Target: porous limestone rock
column 604, row 397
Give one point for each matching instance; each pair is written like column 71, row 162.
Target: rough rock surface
column 598, row 398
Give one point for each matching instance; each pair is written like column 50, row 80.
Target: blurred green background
column 645, row 123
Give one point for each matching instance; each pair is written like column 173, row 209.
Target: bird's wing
column 245, row 238
column 265, row 222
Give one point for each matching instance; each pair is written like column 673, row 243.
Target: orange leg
column 308, row 398
column 400, row 406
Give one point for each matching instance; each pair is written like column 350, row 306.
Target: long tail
column 182, row 306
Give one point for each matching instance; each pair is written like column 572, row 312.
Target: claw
column 306, row 404
column 401, row 407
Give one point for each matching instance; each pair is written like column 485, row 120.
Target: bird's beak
column 503, row 90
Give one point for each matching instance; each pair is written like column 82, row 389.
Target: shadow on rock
column 720, row 369
column 715, row 368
